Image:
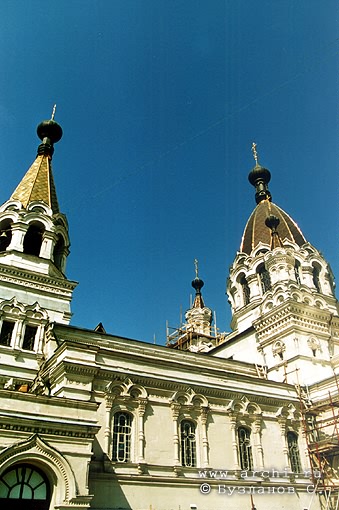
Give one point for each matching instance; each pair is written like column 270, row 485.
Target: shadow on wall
column 103, row 483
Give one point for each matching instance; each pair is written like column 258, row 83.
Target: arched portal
column 24, row 486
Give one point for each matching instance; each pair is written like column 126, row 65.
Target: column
column 17, row 333
column 141, row 433
column 41, row 336
column 252, row 280
column 175, row 414
column 256, row 428
column 108, row 429
column 18, row 233
column 233, row 420
column 48, row 242
column 282, row 423
column 204, row 415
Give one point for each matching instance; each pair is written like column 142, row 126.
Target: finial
column 49, row 133
column 197, row 284
column 53, row 112
column 196, row 268
column 255, row 154
column 259, row 177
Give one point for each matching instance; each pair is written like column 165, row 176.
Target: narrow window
column 297, row 272
column 122, row 428
column 316, row 278
column 245, row 448
column 6, row 333
column 245, row 290
column 265, row 279
column 188, row 443
column 293, row 451
column 29, row 338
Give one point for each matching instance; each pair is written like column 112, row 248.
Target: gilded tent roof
column 256, row 231
column 38, row 184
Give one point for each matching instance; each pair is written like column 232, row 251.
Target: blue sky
column 160, row 101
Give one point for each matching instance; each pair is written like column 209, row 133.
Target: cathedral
column 212, row 420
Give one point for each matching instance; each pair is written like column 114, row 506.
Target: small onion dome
column 272, row 222
column 49, row 129
column 259, row 177
column 49, row 132
column 259, row 173
column 197, row 284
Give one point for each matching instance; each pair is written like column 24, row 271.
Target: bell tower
column 34, row 240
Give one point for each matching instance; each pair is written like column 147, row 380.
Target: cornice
column 37, row 281
column 145, row 353
column 209, row 391
column 41, row 428
column 48, row 400
column 292, row 315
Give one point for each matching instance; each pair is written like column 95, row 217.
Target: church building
column 212, row 420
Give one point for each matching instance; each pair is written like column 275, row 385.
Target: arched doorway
column 24, row 486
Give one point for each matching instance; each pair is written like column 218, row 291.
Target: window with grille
column 245, row 448
column 245, row 290
column 188, row 443
column 265, row 279
column 122, row 431
column 293, row 451
column 29, row 338
column 6, row 333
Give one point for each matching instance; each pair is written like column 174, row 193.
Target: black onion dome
column 197, row 284
column 259, row 173
column 49, row 129
column 256, row 229
column 272, row 222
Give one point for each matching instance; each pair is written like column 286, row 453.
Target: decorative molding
column 38, row 447
column 36, row 281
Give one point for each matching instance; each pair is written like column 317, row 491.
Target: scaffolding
column 321, row 431
column 186, row 337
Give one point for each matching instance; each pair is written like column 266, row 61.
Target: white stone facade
column 90, row 420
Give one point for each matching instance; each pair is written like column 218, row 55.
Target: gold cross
column 196, row 268
column 255, row 154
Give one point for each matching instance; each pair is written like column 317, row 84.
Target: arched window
column 33, row 239
column 122, row 431
column 245, row 289
column 265, row 278
column 293, row 452
column 316, row 277
column 245, row 448
column 188, row 444
column 24, row 482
